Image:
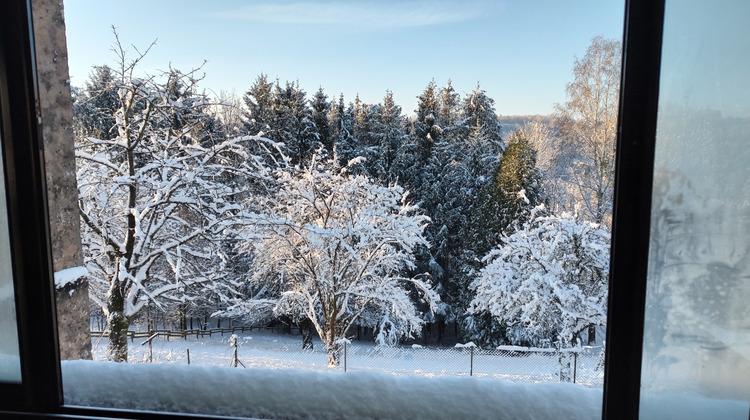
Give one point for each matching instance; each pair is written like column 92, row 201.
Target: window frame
column 40, row 393
column 631, row 217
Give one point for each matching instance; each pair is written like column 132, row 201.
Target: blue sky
column 521, row 52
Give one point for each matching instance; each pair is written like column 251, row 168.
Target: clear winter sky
column 521, row 51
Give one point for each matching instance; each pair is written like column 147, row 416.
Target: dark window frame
column 40, row 392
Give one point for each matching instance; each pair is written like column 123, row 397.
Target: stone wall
column 62, row 192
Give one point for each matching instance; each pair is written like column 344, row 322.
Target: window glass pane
column 194, row 228
column 696, row 354
column 10, row 363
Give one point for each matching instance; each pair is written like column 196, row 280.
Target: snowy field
column 265, row 349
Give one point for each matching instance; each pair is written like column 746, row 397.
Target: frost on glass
column 697, row 328
column 10, row 362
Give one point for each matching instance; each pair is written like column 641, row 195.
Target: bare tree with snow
column 334, row 248
column 154, row 196
column 588, row 126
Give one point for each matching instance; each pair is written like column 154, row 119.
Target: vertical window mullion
column 632, row 206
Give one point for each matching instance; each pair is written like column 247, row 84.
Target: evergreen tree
column 506, row 202
column 94, row 109
column 292, row 122
column 504, row 205
column 320, row 109
column 389, row 133
column 259, row 115
column 335, row 120
column 346, row 144
column 426, row 129
column 449, row 107
column 482, row 123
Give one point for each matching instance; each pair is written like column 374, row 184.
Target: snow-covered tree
column 334, row 248
column 154, row 197
column 293, row 123
column 545, row 138
column 483, row 124
column 588, row 124
column 320, row 108
column 228, row 109
column 258, row 102
column 94, row 107
column 546, row 282
column 426, row 128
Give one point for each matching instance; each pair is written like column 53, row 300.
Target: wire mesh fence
column 517, row 365
column 264, row 349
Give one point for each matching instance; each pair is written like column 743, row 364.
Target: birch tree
column 588, row 123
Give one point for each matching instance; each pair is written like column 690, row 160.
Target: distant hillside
column 511, row 123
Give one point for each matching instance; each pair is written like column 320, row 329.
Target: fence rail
column 178, row 334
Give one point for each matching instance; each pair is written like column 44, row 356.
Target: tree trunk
column 117, row 348
column 182, row 321
column 118, row 323
column 333, row 348
column 334, row 353
column 305, row 327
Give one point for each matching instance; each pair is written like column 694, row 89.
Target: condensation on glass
column 10, row 361
column 696, row 351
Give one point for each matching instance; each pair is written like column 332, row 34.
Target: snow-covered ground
column 298, row 394
column 301, row 394
column 283, row 381
column 265, row 349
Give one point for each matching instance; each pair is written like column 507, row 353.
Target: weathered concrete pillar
column 62, row 191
